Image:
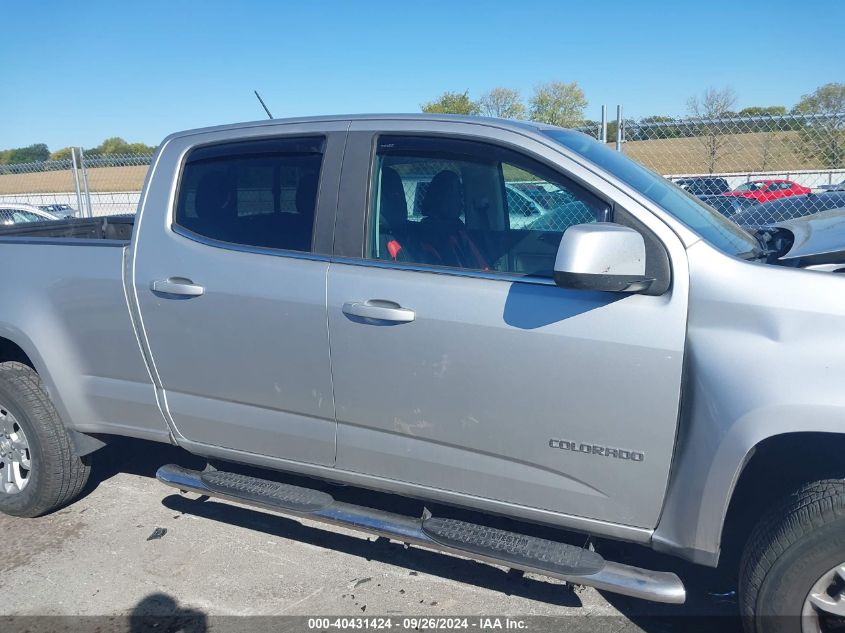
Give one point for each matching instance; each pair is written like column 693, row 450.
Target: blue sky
column 77, row 72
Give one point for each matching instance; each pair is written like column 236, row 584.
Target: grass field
column 738, row 153
column 753, row 152
column 102, row 179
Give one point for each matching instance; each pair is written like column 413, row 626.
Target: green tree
column 763, row 111
column 31, row 154
column 823, row 135
column 116, row 145
column 558, row 103
column 504, row 103
column 630, row 132
column 61, row 154
column 452, row 103
column 654, row 127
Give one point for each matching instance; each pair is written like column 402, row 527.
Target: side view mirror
column 603, row 256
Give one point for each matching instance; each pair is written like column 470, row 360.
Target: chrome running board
column 499, row 547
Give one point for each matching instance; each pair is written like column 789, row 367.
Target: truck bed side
column 64, row 305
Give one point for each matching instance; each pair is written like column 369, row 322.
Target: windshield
column 704, row 220
column 18, row 216
column 751, row 186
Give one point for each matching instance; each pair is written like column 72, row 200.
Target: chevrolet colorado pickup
column 350, row 299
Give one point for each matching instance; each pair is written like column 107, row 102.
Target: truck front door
column 461, row 368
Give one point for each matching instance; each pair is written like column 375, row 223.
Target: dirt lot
column 100, row 557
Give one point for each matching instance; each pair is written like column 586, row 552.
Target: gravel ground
column 99, row 557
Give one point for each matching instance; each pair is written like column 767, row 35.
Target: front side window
column 472, row 206
column 257, row 193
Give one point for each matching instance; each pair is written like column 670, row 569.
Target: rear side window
column 256, row 193
column 473, row 206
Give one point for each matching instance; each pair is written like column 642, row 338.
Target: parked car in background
column 815, row 242
column 543, row 209
column 704, row 186
column 729, row 206
column 786, row 209
column 840, row 186
column 763, row 190
column 522, row 208
column 11, row 213
column 59, row 210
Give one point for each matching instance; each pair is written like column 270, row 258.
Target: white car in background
column 61, row 211
column 14, row 213
column 840, row 186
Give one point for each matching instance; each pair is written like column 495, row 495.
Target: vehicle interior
column 265, row 201
column 455, row 212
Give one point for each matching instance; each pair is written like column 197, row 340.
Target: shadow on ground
column 161, row 613
column 711, row 601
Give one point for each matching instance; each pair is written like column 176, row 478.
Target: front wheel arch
column 772, row 470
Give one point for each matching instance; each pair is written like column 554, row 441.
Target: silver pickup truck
column 353, row 300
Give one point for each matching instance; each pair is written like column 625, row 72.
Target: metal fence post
column 619, row 128
column 85, row 183
column 75, row 170
column 603, row 134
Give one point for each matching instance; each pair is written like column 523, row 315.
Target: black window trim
column 246, row 248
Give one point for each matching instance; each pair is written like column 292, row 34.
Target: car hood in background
column 817, row 238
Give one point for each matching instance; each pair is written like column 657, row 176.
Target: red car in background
column 764, row 190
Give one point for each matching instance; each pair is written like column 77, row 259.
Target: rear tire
column 789, row 574
column 39, row 470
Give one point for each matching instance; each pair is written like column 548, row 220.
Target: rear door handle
column 379, row 310
column 177, row 286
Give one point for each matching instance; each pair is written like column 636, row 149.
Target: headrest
column 444, row 197
column 215, row 195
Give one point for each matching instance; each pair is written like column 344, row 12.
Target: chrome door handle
column 379, row 310
column 177, row 286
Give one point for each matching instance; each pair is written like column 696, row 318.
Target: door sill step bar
column 500, row 547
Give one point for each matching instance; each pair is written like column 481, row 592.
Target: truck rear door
column 230, row 274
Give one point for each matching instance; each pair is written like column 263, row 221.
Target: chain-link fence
column 753, row 169
column 81, row 185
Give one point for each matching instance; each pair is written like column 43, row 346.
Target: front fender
column 709, row 466
column 765, row 358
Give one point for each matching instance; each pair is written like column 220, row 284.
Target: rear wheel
column 39, row 471
column 792, row 575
